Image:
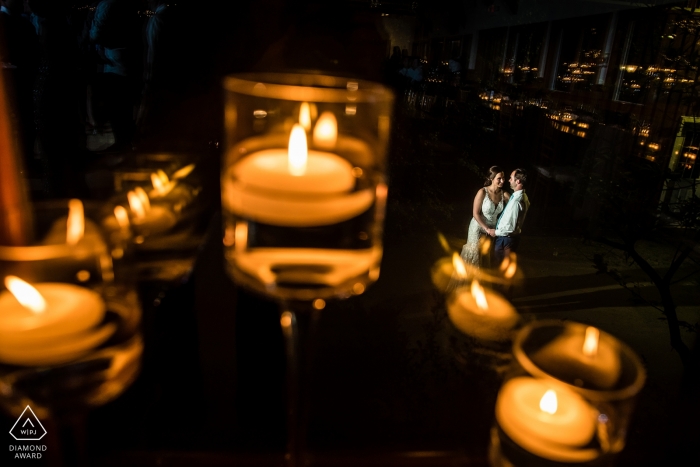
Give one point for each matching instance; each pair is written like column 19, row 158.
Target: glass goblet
column 303, row 196
column 78, row 345
column 568, row 399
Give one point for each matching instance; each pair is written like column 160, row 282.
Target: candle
column 481, row 313
column 149, row 219
column 295, row 187
column 74, row 229
column 548, row 421
column 583, row 357
column 49, row 323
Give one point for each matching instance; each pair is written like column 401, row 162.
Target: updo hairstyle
column 493, row 171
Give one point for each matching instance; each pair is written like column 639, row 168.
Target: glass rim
column 593, row 394
column 308, row 87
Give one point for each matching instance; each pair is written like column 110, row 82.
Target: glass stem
column 67, row 441
column 298, row 327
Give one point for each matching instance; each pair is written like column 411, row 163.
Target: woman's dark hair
column 493, row 171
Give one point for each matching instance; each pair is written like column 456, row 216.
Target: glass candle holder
column 70, row 324
column 568, row 398
column 160, row 210
column 302, row 183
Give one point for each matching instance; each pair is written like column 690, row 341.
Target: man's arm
column 509, row 222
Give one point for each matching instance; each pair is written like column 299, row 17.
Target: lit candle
column 74, row 229
column 548, row 421
column 326, row 131
column 149, row 219
column 295, row 187
column 582, row 357
column 481, row 313
column 49, row 323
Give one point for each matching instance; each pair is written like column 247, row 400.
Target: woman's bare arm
column 476, row 209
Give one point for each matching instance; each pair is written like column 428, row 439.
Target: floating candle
column 481, row 313
column 149, row 219
column 49, row 323
column 548, row 421
column 295, row 187
column 582, row 356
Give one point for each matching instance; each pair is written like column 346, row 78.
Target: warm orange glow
column 479, row 296
column 143, row 197
column 241, row 236
column 298, row 151
column 458, row 264
column 76, row 222
column 485, row 244
column 26, row 295
column 136, row 205
column 590, row 343
column 319, row 304
column 122, row 217
column 326, row 131
column 183, row 172
column 512, row 267
column 286, row 319
column 548, row 403
column 161, row 183
column 305, row 116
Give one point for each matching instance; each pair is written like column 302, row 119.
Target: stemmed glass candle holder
column 303, row 188
column 160, row 212
column 568, row 398
column 69, row 323
column 303, row 193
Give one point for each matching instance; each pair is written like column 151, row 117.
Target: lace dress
column 470, row 251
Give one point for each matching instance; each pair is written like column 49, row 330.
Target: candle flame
column 141, row 193
column 122, row 217
column 26, row 295
column 76, row 222
column 298, row 151
column 183, row 172
column 305, row 116
column 444, row 243
column 485, row 244
column 512, row 267
column 138, row 207
column 326, row 131
column 479, row 296
column 458, row 264
column 548, row 403
column 590, row 343
column 161, row 183
column 505, row 263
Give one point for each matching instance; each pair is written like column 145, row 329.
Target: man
column 511, row 220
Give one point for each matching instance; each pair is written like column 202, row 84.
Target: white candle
column 294, row 187
column 591, row 363
column 481, row 313
column 61, row 330
column 559, row 432
column 149, row 219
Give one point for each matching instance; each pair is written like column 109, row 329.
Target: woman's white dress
column 470, row 251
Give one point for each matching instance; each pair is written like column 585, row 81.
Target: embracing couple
column 497, row 214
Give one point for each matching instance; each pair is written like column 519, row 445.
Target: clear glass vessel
column 83, row 347
column 302, row 183
column 567, row 399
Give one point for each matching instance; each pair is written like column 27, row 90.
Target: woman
column 488, row 204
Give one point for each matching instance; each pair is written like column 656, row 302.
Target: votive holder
column 70, row 334
column 302, row 183
column 567, row 399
